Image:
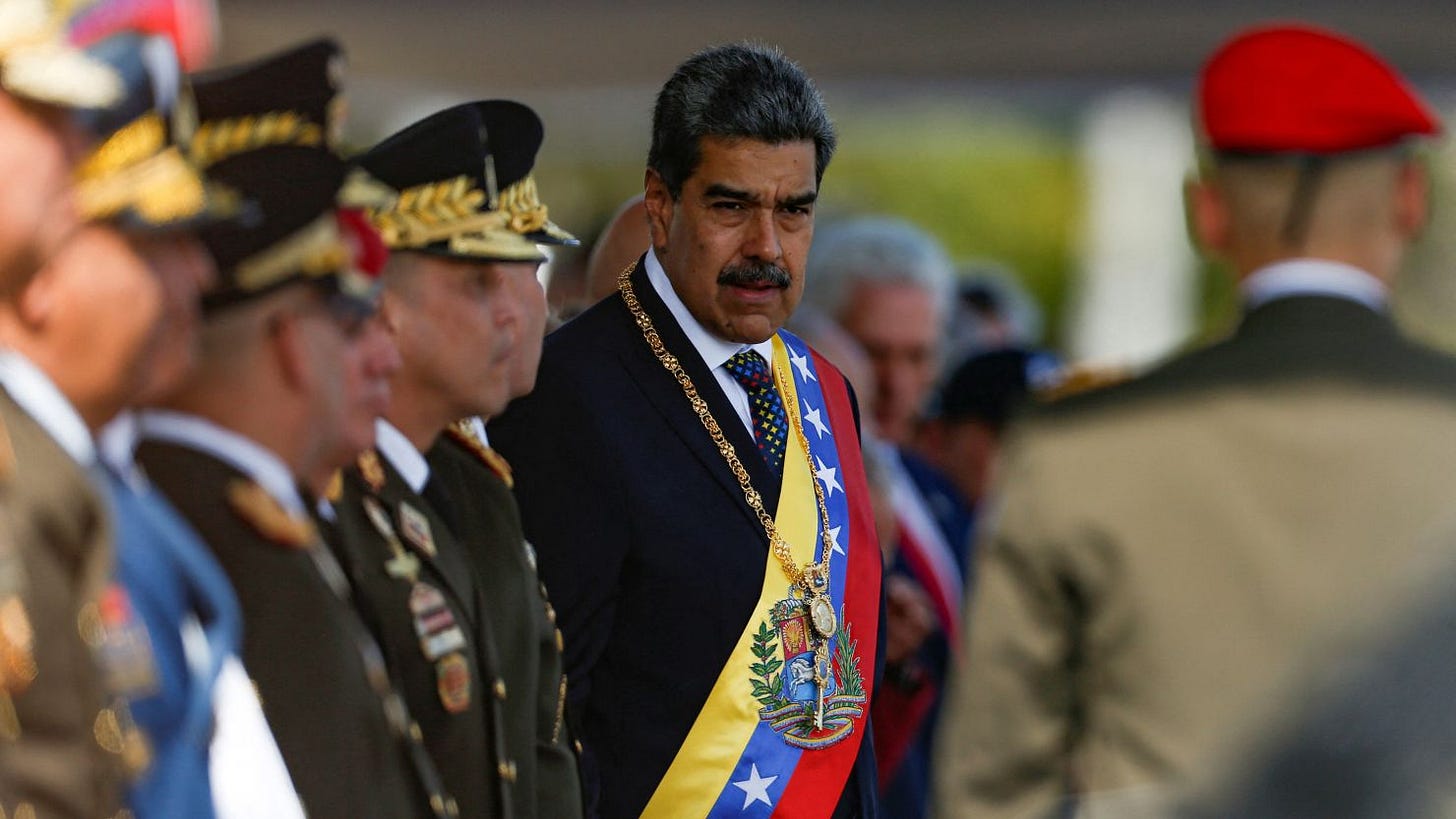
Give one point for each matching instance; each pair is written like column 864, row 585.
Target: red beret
column 1301, row 89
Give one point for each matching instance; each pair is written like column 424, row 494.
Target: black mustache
column 748, row 275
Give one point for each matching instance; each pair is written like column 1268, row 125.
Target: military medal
column 434, row 622
column 403, row 566
column 416, row 528
column 452, row 679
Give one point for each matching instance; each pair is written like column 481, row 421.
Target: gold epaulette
column 267, row 516
column 335, row 488
column 1077, row 380
column 463, row 433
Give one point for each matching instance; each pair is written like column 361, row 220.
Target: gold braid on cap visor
column 450, row 211
column 314, row 250
column 217, row 140
column 135, row 168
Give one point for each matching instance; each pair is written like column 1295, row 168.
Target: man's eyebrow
column 800, row 200
column 718, row 190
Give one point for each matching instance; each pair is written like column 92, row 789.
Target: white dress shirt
column 1313, row 277
column 714, row 351
column 402, row 455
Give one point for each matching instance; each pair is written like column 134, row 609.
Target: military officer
column 68, row 741
column 291, row 373
column 1167, row 550
column 455, row 603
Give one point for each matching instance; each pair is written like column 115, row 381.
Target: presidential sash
column 768, row 742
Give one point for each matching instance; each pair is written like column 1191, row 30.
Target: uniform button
column 507, row 771
column 550, row 614
column 452, row 808
column 559, row 644
column 88, row 623
column 437, row 804
column 107, row 730
column 415, row 733
column 576, row 743
column 500, row 689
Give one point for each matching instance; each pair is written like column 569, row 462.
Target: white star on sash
column 825, row 474
column 755, row 788
column 816, row 421
column 834, row 540
column 801, row 363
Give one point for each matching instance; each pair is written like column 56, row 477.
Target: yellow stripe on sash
column 722, row 729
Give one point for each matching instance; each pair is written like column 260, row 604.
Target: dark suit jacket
column 651, row 554
column 524, row 622
column 51, row 759
column 1166, row 551
column 300, row 647
column 467, row 744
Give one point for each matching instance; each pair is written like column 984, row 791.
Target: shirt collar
column 242, row 453
column 402, row 455
column 714, row 351
column 1313, row 277
column 43, row 401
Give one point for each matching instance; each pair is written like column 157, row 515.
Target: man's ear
column 38, row 299
column 1209, row 223
column 659, row 202
column 289, row 348
column 1412, row 199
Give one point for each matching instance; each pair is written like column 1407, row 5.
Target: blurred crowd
column 310, row 505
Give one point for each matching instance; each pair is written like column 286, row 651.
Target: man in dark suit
column 1166, row 551
column 468, row 659
column 291, row 374
column 690, row 477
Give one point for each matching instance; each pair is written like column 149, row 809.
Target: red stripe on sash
column 820, row 777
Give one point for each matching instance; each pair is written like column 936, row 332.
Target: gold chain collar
column 814, row 577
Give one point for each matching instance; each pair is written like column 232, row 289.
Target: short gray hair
column 876, row 250
column 743, row 90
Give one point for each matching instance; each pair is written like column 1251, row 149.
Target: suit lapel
column 667, row 396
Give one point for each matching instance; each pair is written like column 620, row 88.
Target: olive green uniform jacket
column 55, row 563
column 1163, row 552
column 419, row 594
column 541, row 742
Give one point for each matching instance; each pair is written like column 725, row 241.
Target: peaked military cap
column 267, row 129
column 458, row 183
column 139, row 177
column 1297, row 89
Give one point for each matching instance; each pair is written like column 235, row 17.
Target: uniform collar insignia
column 372, row 470
column 267, row 516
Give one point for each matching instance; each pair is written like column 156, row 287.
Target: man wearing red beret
column 1166, row 551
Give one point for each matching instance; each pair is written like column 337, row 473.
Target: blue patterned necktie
column 770, row 425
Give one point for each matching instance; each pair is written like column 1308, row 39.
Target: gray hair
column 876, row 250
column 743, row 90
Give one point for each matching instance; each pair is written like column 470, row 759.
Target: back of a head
column 737, row 91
column 875, row 250
column 1305, row 132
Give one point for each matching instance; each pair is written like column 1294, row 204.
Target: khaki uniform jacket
column 53, row 714
column 329, row 710
column 1164, row 552
column 540, row 741
column 448, row 673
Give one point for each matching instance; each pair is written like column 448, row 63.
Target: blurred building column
column 1135, row 299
